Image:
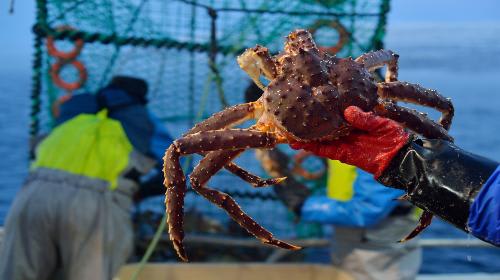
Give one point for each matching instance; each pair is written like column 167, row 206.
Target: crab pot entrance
column 326, row 36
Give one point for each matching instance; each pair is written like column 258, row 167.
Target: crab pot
column 186, row 51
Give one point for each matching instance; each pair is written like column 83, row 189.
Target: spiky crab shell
column 304, row 113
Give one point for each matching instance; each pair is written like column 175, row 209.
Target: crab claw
column 424, row 221
column 281, row 244
column 269, row 182
column 256, row 61
column 179, row 248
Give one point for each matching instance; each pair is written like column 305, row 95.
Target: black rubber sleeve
column 439, row 177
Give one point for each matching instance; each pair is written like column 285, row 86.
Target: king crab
column 307, row 94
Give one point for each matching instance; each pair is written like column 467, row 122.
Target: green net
column 186, row 51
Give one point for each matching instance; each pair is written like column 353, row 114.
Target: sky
column 16, row 38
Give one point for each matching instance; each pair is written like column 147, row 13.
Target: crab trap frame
column 186, row 50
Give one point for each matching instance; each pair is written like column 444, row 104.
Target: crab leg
column 413, row 120
column 175, row 182
column 207, row 167
column 377, row 59
column 254, row 180
column 226, row 139
column 257, row 61
column 205, row 141
column 412, row 93
column 230, row 117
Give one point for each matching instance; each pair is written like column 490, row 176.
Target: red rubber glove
column 370, row 146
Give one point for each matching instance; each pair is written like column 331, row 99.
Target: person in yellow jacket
column 71, row 219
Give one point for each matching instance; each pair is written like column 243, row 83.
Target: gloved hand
column 436, row 175
column 370, row 146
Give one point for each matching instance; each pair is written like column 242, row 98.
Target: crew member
column 71, row 219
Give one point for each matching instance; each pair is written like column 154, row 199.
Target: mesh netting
column 186, row 51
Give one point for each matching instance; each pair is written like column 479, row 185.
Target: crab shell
column 307, row 99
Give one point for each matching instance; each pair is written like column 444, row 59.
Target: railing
column 278, row 254
column 314, row 243
column 449, row 242
column 322, row 242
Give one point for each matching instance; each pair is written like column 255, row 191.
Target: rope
column 52, row 94
column 41, row 17
column 66, row 11
column 161, row 227
column 281, row 12
column 158, row 81
column 250, row 195
column 36, row 89
column 44, row 30
column 111, row 63
column 212, row 57
column 378, row 36
column 151, row 247
column 192, row 69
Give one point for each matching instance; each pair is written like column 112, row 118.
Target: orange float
column 299, row 170
column 56, row 105
column 55, row 74
column 341, row 30
column 53, row 51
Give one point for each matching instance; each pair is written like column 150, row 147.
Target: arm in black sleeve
column 439, row 177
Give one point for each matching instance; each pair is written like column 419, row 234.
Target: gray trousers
column 65, row 226
column 374, row 254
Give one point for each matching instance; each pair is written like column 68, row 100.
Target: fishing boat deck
column 250, row 271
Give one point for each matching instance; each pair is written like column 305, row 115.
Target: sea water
column 460, row 61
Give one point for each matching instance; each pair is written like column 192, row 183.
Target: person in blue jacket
column 435, row 175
